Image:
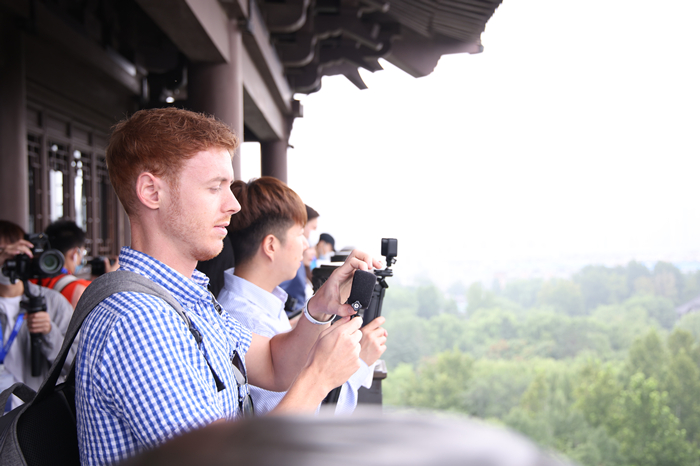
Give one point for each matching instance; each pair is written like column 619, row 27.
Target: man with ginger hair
column 268, row 243
column 141, row 376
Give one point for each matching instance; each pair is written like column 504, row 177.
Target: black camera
column 374, row 309
column 46, row 262
column 389, row 250
column 97, row 265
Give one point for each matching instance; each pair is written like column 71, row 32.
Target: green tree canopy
column 648, row 432
column 563, row 296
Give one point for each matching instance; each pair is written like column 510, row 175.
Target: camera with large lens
column 389, row 250
column 46, row 262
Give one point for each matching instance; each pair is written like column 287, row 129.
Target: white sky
column 572, row 137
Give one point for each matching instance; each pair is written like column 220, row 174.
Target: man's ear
column 148, row 188
column 70, row 253
column 269, row 246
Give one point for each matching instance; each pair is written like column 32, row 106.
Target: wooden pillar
column 217, row 89
column 14, row 174
column 273, row 159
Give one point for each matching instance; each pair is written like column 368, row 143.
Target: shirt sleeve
column 347, row 399
column 241, row 337
column 154, row 377
column 256, row 323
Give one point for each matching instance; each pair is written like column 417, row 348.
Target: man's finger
column 349, row 325
column 355, row 323
column 358, row 260
column 377, row 322
column 341, row 321
column 378, row 332
column 19, row 247
column 357, row 337
column 363, row 256
column 350, row 265
column 342, row 310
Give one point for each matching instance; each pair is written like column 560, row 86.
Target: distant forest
column 598, row 367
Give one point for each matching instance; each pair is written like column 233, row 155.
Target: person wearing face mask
column 323, row 249
column 69, row 238
column 16, row 325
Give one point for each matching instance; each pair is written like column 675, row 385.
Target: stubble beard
column 185, row 229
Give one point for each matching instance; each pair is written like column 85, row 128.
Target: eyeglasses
column 245, row 402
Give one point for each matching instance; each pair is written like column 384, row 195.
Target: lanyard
column 11, row 338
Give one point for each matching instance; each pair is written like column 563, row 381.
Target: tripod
column 34, row 303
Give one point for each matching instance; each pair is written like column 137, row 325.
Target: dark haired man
column 66, row 236
column 141, row 376
column 268, row 242
column 16, row 325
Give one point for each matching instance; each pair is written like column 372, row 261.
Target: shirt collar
column 271, row 303
column 188, row 291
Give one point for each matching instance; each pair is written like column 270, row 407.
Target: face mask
column 79, row 266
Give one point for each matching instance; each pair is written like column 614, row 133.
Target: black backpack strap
column 100, row 289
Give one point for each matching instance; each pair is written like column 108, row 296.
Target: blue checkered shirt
column 141, row 378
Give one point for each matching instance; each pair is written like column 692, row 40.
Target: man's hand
column 11, row 250
column 38, row 322
column 373, row 343
column 335, row 291
column 331, row 361
column 109, row 267
column 335, row 355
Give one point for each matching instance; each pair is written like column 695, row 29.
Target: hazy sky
column 574, row 136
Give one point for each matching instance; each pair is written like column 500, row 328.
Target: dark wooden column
column 14, row 171
column 273, row 159
column 217, row 89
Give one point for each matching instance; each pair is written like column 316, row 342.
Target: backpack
column 43, row 431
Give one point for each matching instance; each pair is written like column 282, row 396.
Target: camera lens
column 51, row 262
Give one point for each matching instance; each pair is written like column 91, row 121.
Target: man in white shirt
column 268, row 242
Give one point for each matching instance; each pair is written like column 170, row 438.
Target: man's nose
column 232, row 206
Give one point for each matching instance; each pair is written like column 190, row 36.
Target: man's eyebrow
column 220, row 179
